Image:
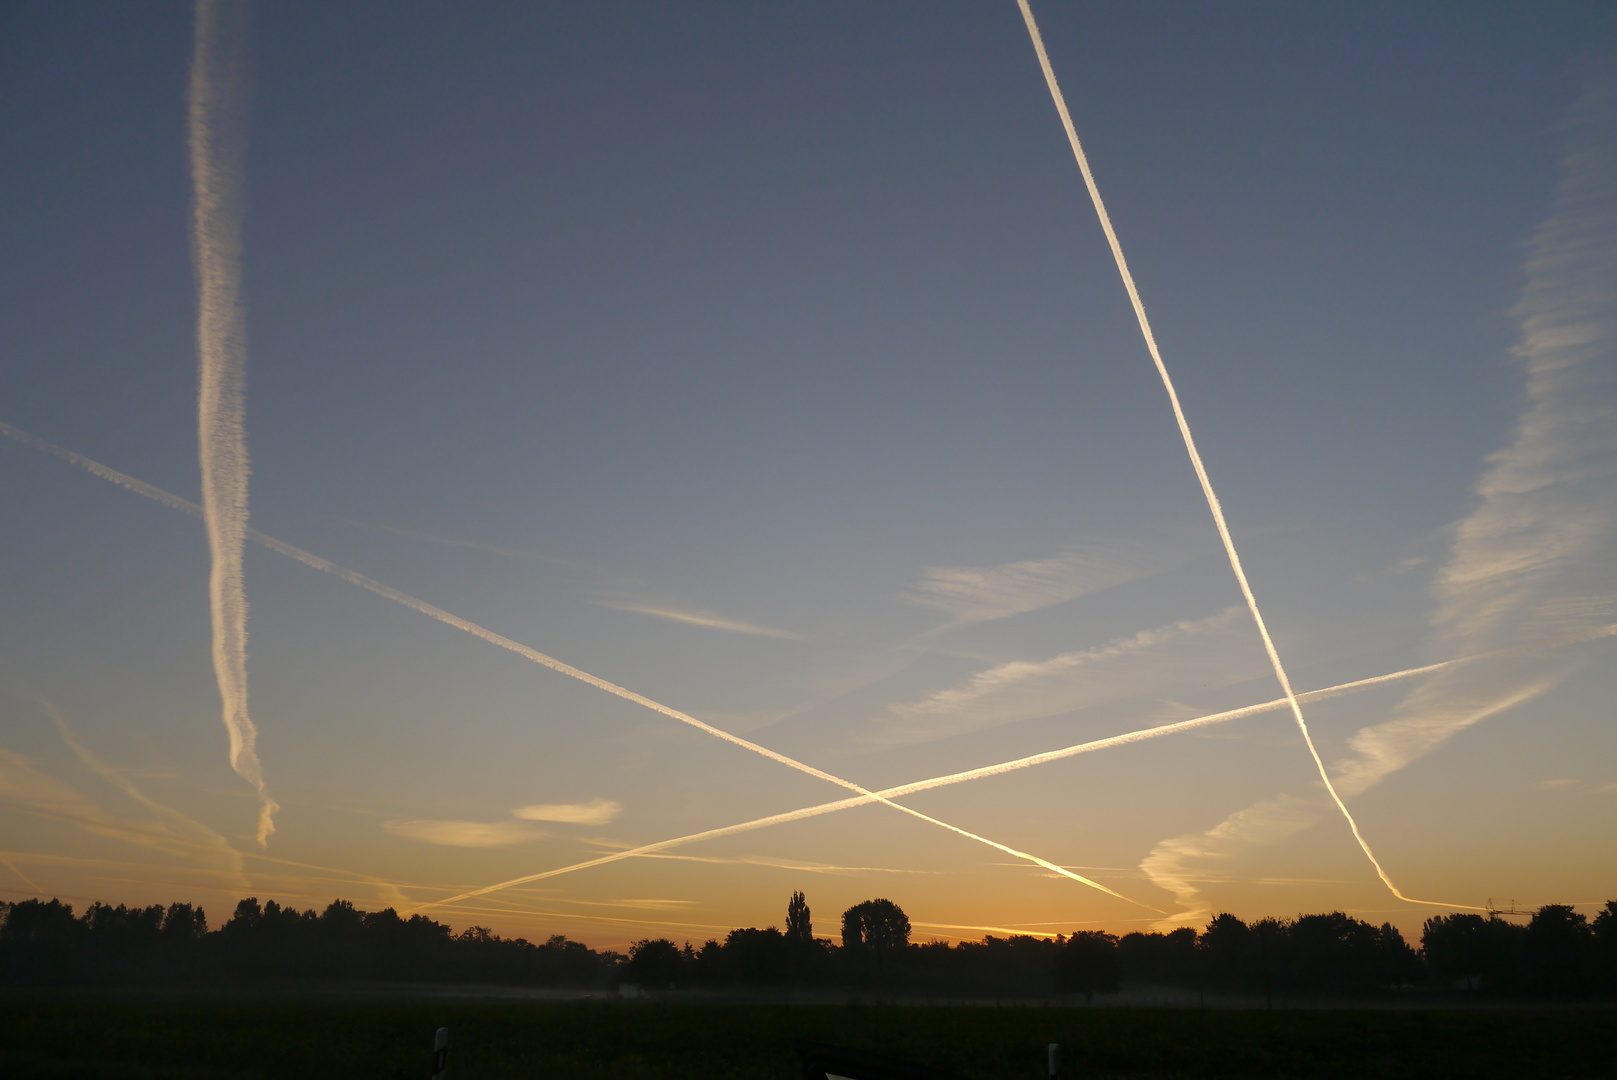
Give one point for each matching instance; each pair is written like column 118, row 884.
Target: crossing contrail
column 1190, row 443
column 218, row 146
column 353, row 577
column 865, row 797
column 1125, row 739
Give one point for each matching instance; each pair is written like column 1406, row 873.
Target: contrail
column 203, row 836
column 1190, row 443
column 355, row 578
column 865, row 797
column 218, row 146
column 30, row 882
column 1139, row 735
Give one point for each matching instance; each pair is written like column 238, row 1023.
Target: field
column 106, row 1035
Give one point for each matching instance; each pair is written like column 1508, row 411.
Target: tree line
column 1556, row 955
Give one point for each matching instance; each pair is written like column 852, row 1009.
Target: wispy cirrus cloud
column 1537, row 557
column 1183, row 864
column 25, row 788
column 209, row 843
column 974, row 594
column 488, row 834
column 1157, row 663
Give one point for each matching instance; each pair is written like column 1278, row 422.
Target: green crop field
column 267, row 1035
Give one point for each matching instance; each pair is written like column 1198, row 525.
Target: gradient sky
column 768, row 361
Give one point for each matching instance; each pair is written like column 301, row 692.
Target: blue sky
column 769, row 361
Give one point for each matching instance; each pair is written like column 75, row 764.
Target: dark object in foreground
column 822, row 1061
column 440, row 1055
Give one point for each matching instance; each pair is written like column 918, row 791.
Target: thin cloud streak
column 26, row 788
column 707, row 620
column 1205, row 652
column 24, row 878
column 370, row 584
column 464, row 834
column 972, row 594
column 1190, row 443
column 218, row 147
column 594, row 812
column 229, row 858
column 797, row 866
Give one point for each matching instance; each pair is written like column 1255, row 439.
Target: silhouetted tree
column 1473, row 951
column 875, row 933
column 757, row 957
column 1159, row 959
column 1088, row 964
column 1453, row 947
column 40, row 940
column 711, row 968
column 654, row 963
column 560, row 962
column 1227, row 953
column 182, row 922
column 1604, row 932
column 799, row 923
column 1016, row 966
column 1558, row 950
column 1558, row 954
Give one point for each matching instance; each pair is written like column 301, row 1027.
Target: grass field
column 238, row 1035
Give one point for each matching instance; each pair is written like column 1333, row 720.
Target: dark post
column 1055, row 1060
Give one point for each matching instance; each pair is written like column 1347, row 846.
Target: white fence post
column 440, row 1055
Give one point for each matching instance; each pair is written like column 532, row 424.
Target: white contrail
column 355, row 578
column 1125, row 739
column 218, row 144
column 866, row 797
column 1190, row 443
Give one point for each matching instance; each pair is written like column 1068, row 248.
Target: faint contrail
column 204, row 837
column 353, row 577
column 1139, row 735
column 30, row 882
column 1190, row 443
column 218, row 146
column 175, row 502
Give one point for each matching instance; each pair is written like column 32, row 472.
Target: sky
column 768, row 366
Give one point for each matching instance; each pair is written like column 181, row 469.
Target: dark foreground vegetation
column 1556, row 956
column 250, row 1034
